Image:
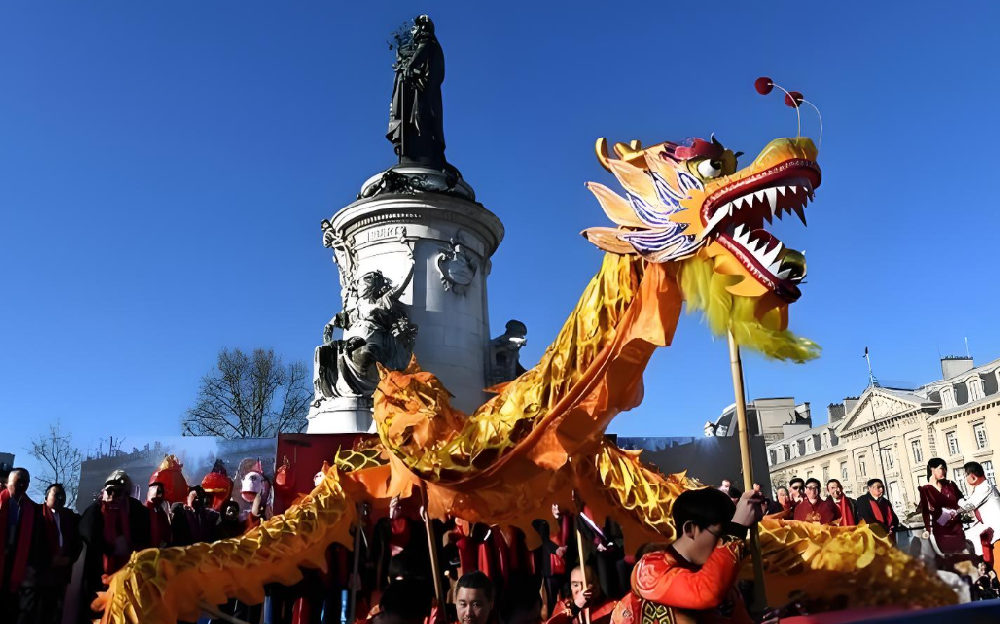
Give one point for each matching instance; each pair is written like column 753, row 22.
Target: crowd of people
column 961, row 532
column 487, row 573
column 579, row 572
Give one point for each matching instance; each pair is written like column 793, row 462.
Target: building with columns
column 891, row 433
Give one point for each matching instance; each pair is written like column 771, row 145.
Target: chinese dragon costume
column 689, row 229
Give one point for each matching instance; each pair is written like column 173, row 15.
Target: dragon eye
column 710, row 168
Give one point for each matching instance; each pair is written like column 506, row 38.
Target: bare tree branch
column 249, row 396
column 60, row 462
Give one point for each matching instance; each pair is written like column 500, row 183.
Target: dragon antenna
column 820, row 115
column 765, row 85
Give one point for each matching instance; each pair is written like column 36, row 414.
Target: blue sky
column 164, row 167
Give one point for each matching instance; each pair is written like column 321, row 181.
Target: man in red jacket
column 694, row 577
column 19, row 519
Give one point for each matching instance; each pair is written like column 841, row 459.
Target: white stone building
column 890, row 434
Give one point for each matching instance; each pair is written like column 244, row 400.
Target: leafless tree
column 60, row 462
column 250, row 396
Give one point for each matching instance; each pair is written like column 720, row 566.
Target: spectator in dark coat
column 58, row 549
column 875, row 508
column 112, row 528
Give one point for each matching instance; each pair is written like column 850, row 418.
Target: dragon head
column 693, row 200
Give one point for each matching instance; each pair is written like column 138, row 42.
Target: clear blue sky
column 164, row 167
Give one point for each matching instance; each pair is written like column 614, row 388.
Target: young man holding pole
column 695, row 576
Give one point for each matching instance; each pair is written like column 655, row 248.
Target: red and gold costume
column 822, row 511
column 600, row 614
column 667, row 589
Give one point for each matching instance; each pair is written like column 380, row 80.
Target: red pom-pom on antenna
column 793, row 99
column 764, row 85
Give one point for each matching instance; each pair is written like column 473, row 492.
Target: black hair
column 703, row 508
column 158, row 484
column 407, row 600
column 935, row 462
column 55, row 485
column 872, row 482
column 478, row 580
column 200, row 490
column 837, row 481
column 228, row 505
column 796, row 480
column 23, row 471
column 521, row 596
column 734, row 492
column 813, row 480
column 974, row 468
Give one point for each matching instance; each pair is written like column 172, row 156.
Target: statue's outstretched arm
column 397, row 292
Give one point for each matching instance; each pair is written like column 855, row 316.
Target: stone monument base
column 341, row 415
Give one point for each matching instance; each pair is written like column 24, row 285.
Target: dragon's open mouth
column 734, row 216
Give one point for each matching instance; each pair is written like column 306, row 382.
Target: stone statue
column 375, row 329
column 416, row 127
column 505, row 364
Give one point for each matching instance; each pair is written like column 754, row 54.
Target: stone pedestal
column 452, row 239
column 341, row 415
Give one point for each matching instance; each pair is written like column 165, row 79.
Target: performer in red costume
column 845, row 504
column 19, row 519
column 159, row 520
column 813, row 508
column 584, row 597
column 694, row 577
column 170, row 474
column 218, row 486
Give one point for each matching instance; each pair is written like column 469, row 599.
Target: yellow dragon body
column 689, row 231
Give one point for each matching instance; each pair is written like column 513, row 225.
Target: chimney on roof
column 835, row 412
column 955, row 365
column 849, row 404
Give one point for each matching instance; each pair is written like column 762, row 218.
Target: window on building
column 788, row 452
column 802, row 447
column 887, row 461
column 918, row 451
column 774, row 456
column 947, row 397
column 809, row 474
column 826, row 475
column 958, row 476
column 952, row 440
column 862, row 469
column 979, row 432
column 990, row 475
column 843, row 471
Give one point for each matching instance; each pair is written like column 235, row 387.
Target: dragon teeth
column 783, row 274
column 772, row 198
column 758, row 196
column 782, row 189
column 770, row 256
